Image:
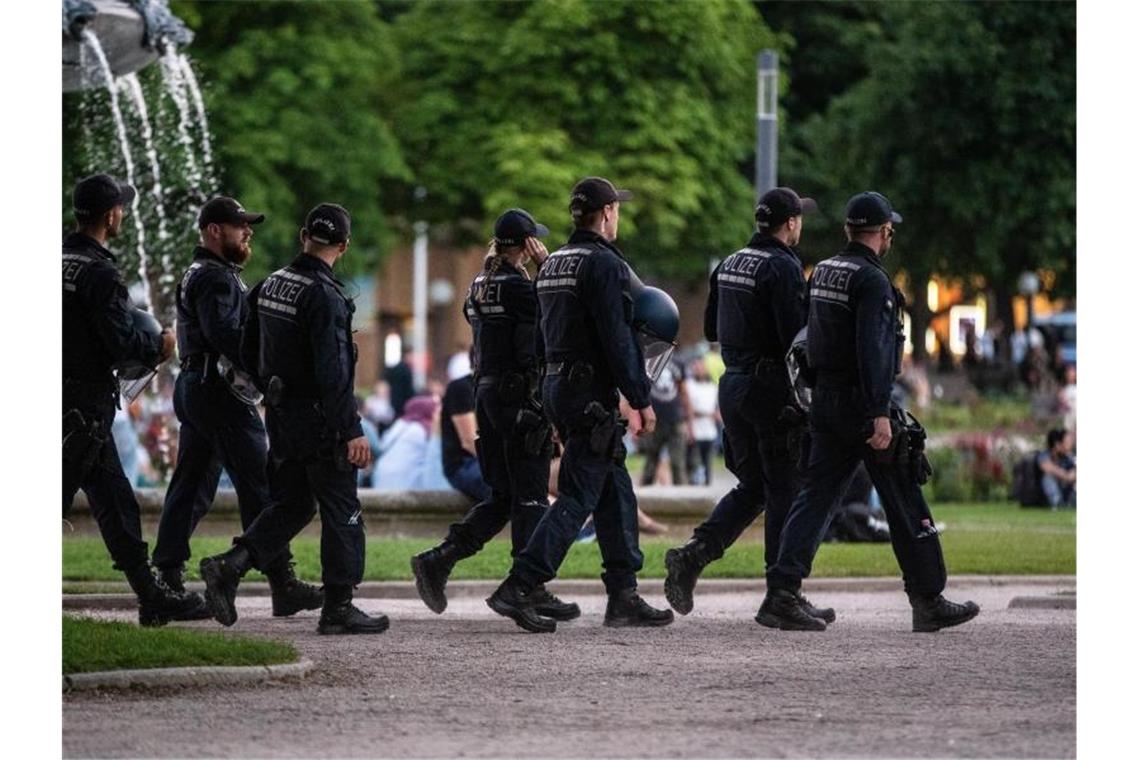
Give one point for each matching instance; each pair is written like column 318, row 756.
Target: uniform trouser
column 518, row 480
column 109, row 493
column 216, row 430
column 761, row 452
column 838, row 443
column 588, row 483
column 298, row 485
column 670, row 437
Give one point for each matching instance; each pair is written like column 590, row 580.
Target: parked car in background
column 1061, row 329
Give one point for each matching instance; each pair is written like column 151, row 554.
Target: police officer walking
column 514, row 443
column 591, row 352
column 755, row 308
column 99, row 332
column 855, row 342
column 214, row 399
column 298, row 342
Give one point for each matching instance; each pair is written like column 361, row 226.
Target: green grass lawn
column 988, row 539
column 90, row 645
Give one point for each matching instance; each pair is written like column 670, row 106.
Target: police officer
column 98, row 333
column 298, row 340
column 514, row 444
column 755, row 308
column 855, row 349
column 587, row 338
column 219, row 424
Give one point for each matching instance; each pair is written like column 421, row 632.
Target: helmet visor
column 657, row 353
column 133, row 382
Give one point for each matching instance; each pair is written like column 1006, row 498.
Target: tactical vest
column 745, row 327
column 191, row 337
column 502, row 342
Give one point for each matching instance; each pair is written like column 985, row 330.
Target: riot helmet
column 656, row 323
column 133, row 375
column 799, row 373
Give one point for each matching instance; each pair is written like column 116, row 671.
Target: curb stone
column 193, row 676
column 582, row 587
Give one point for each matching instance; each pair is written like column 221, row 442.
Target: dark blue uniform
column 97, row 333
column 501, row 306
column 586, row 337
column 755, row 308
column 217, row 428
column 300, row 331
column 855, row 349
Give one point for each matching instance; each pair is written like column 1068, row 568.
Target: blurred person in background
column 1058, row 469
column 400, row 383
column 674, row 429
column 1067, row 398
column 378, row 407
column 457, row 440
column 403, row 447
column 706, row 417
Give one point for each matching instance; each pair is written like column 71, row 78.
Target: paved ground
column 712, row 684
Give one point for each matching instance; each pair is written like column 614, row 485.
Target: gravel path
column 712, row 684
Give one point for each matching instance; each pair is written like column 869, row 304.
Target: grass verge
column 981, row 539
column 92, row 645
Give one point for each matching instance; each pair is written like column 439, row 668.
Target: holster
column 534, row 431
column 606, row 430
column 907, row 451
column 83, row 440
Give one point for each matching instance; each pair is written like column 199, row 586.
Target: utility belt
column 579, row 373
column 907, row 450
column 763, row 364
column 513, row 387
column 205, row 364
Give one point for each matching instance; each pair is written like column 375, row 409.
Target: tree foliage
column 505, row 104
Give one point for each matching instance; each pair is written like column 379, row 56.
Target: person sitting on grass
column 1058, row 469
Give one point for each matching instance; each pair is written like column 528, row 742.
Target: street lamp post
column 767, row 120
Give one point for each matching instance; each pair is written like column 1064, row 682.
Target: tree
column 507, row 104
column 967, row 120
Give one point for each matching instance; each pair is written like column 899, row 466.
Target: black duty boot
column 175, row 579
column 548, row 605
column 339, row 616
column 290, row 594
column 431, row 569
column 826, row 614
column 683, row 566
column 781, row 609
column 512, row 600
column 222, row 573
column 626, row 608
column 934, row 613
column 158, row 604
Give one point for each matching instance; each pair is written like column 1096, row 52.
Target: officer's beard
column 236, row 253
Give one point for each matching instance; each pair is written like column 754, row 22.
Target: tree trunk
column 1003, row 307
column 919, row 312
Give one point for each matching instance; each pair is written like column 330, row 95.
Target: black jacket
column 98, row 330
column 300, row 329
column 212, row 308
column 586, row 313
column 756, row 302
column 854, row 325
column 502, row 308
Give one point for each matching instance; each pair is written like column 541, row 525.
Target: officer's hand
column 359, row 453
column 536, row 250
column 642, row 422
column 881, row 438
column 168, row 344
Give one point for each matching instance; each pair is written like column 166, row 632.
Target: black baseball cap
column 592, row 193
column 328, row 224
column 870, row 209
column 780, row 204
column 223, row 210
column 98, row 194
column 515, row 226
